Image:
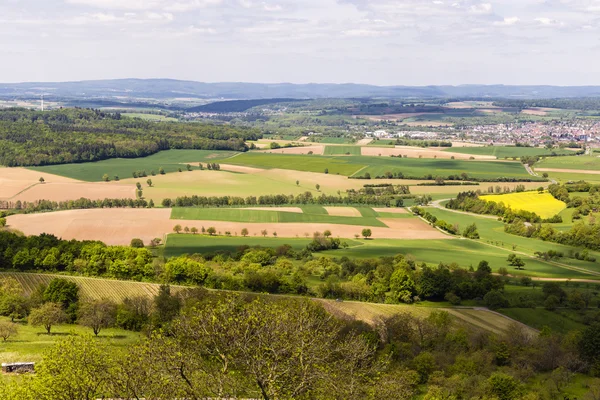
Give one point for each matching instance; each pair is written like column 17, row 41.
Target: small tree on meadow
column 211, row 231
column 98, row 315
column 47, row 316
column 366, row 233
column 200, row 166
column 327, row 233
column 189, row 167
column 105, row 178
column 149, row 182
column 244, row 232
column 274, row 234
column 177, row 228
column 42, row 180
column 297, row 183
column 318, row 187
column 194, row 230
column 186, row 229
column 8, row 329
column 161, row 171
column 264, row 233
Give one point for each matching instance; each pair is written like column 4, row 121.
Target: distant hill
column 237, row 105
column 170, row 88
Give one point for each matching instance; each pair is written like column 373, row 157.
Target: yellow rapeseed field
column 542, row 204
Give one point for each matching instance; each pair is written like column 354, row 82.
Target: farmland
column 543, row 204
column 501, row 152
column 581, row 163
column 357, row 166
column 243, row 215
column 342, row 150
column 170, row 160
column 90, row 288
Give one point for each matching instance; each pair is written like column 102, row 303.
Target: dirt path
column 437, row 204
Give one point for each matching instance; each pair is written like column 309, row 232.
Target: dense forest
column 31, row 138
column 589, row 103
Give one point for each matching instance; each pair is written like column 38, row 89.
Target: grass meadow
column 578, row 162
column 492, row 232
column 30, row 342
column 543, row 204
column 170, row 160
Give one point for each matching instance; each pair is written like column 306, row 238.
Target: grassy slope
column 189, row 244
column 170, row 160
column 465, row 253
column 491, row 230
column 359, row 165
column 506, row 151
column 241, row 215
column 579, row 162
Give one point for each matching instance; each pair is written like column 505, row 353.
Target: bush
column 495, row 300
column 137, row 243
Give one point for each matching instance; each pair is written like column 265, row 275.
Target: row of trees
column 80, row 135
column 367, row 196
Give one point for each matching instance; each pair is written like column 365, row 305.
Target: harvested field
column 241, row 169
column 364, row 142
column 343, row 211
column 569, row 171
column 534, row 111
column 415, row 152
column 391, row 210
column 74, row 191
column 119, row 226
column 297, row 150
column 467, row 144
column 15, row 180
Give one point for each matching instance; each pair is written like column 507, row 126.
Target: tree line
column 32, row 138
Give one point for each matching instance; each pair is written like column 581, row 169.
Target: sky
column 382, row 42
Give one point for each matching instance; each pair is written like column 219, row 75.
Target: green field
column 30, row 342
column 170, row 160
column 578, row 162
column 538, row 318
column 492, row 232
column 465, row 253
column 149, row 117
column 250, row 216
column 177, row 245
column 330, row 140
column 378, row 166
column 342, row 150
column 507, row 151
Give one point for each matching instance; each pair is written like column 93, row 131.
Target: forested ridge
column 33, row 138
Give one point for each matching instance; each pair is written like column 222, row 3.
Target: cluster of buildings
column 534, row 133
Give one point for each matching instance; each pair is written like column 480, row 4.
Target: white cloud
column 508, row 21
column 119, row 4
column 189, row 5
column 483, row 8
column 363, row 33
